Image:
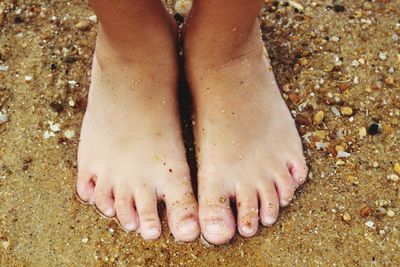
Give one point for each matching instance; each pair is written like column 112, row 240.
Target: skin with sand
column 131, row 154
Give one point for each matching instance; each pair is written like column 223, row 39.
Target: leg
column 131, row 154
column 248, row 145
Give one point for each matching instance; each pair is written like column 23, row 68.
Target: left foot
column 248, row 145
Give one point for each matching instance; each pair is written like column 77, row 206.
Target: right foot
column 131, row 153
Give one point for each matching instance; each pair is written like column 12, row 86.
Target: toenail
column 216, row 227
column 284, row 203
column 130, row 226
column 109, row 212
column 188, row 227
column 268, row 220
column 152, row 232
column 247, row 230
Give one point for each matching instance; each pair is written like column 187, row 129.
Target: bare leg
column 131, row 153
column 248, row 146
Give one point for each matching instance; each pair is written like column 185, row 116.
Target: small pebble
column 380, row 212
column 370, row 224
column 365, row 212
column 48, row 134
column 320, row 134
column 335, row 111
column 5, row 244
column 397, row 168
column 55, row 127
column 183, row 7
column 83, row 25
column 382, row 203
column 389, row 80
column 339, row 148
column 346, row 111
column 393, row 177
column 362, row 132
column 347, row 217
column 383, row 56
column 72, row 83
column 3, row 118
column 340, row 162
column 69, row 134
column 355, row 63
column 319, row 117
column 71, row 103
column 343, row 154
column 85, row 240
column 28, row 78
column 373, row 129
column 335, row 39
column 339, row 8
column 390, row 213
column 296, row 5
column 395, row 37
column 93, row 18
column 375, row 164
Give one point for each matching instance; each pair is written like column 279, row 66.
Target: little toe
column 126, row 212
column 182, row 210
column 149, row 221
column 215, row 214
column 103, row 198
column 85, row 187
column 247, row 206
column 269, row 203
column 285, row 186
column 299, row 170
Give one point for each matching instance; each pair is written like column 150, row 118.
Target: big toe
column 182, row 210
column 216, row 219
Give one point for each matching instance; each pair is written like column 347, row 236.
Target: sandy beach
column 338, row 66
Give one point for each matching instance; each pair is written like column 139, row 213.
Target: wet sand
column 343, row 60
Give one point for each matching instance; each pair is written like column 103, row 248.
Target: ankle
column 203, row 50
column 137, row 48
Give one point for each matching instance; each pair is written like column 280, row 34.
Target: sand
column 327, row 57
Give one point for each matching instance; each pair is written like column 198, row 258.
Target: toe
column 285, row 186
column 216, row 219
column 247, row 207
column 269, row 203
column 299, row 170
column 126, row 212
column 181, row 210
column 85, row 186
column 146, row 206
column 103, row 197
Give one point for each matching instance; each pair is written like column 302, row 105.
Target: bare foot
column 248, row 145
column 131, row 153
